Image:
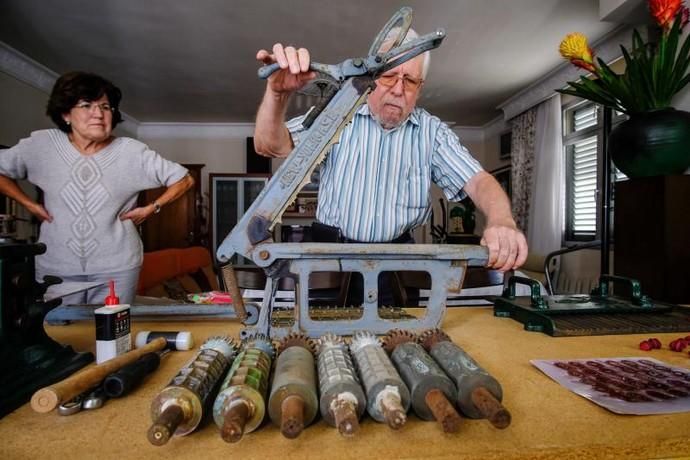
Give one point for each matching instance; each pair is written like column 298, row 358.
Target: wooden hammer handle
column 48, row 398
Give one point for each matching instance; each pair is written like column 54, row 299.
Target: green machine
column 31, row 358
column 599, row 313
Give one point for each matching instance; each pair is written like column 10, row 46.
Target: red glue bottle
column 113, row 335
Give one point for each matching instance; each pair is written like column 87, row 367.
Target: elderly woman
column 90, row 180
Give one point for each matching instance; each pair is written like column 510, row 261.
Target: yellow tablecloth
column 548, row 420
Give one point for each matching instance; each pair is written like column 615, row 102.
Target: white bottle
column 113, row 335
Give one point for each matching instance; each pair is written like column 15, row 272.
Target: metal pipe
column 605, row 199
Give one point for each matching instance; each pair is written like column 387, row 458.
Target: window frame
column 570, row 137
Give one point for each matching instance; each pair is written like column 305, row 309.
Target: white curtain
column 545, row 222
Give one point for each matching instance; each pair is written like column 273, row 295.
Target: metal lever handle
column 268, row 70
column 537, row 301
column 637, row 298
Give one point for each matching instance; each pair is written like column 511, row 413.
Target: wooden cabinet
column 652, row 230
column 180, row 224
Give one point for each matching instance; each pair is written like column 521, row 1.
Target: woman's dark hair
column 73, row 87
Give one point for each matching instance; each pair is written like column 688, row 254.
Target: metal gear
column 362, row 339
column 260, row 341
column 221, row 343
column 396, row 337
column 431, row 337
column 296, row 339
column 329, row 340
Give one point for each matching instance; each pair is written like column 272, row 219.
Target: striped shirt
column 375, row 183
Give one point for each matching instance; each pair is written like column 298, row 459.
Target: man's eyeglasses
column 89, row 106
column 409, row 83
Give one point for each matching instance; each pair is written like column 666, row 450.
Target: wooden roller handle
column 231, row 285
column 48, row 398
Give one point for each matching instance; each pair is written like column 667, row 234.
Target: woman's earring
column 67, row 122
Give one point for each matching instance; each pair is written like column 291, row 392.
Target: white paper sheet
column 651, row 373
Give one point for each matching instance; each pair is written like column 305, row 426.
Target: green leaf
column 682, row 63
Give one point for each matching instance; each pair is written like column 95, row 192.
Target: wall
column 22, row 110
column 220, row 147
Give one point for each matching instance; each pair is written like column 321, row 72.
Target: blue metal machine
column 350, row 83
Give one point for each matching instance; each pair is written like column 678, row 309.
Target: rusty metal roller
column 179, row 407
column 479, row 394
column 293, row 402
column 431, row 389
column 342, row 400
column 240, row 405
column 388, row 399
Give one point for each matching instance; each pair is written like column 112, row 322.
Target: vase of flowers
column 655, row 139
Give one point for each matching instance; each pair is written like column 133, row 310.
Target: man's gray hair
column 411, row 35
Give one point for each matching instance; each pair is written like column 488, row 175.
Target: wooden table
column 548, row 420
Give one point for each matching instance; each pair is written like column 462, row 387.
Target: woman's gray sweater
column 86, row 194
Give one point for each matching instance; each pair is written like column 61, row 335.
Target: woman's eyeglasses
column 89, row 106
column 409, row 83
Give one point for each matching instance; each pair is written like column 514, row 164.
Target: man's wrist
column 156, row 207
column 280, row 98
column 507, row 222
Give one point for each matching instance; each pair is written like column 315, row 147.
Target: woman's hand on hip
column 138, row 215
column 40, row 212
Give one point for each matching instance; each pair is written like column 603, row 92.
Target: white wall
column 220, row 147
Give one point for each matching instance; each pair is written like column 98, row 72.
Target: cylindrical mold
column 293, row 402
column 421, row 374
column 241, row 402
column 388, row 399
column 469, row 378
column 179, row 407
column 342, row 399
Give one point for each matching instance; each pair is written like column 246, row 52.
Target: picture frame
column 504, row 177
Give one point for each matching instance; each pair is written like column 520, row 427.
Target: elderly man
column 375, row 182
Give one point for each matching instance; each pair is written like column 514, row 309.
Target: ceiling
column 193, row 61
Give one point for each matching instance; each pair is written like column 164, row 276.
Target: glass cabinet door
column 231, row 196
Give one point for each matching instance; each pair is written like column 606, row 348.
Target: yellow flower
column 574, row 48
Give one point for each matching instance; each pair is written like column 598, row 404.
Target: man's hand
column 138, row 215
column 507, row 246
column 271, row 137
column 40, row 212
column 294, row 63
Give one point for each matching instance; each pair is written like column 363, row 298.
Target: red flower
column 664, row 11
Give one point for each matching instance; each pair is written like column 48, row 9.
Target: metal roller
column 179, row 407
column 241, row 402
column 293, row 402
column 430, row 388
column 388, row 399
column 479, row 394
column 342, row 399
